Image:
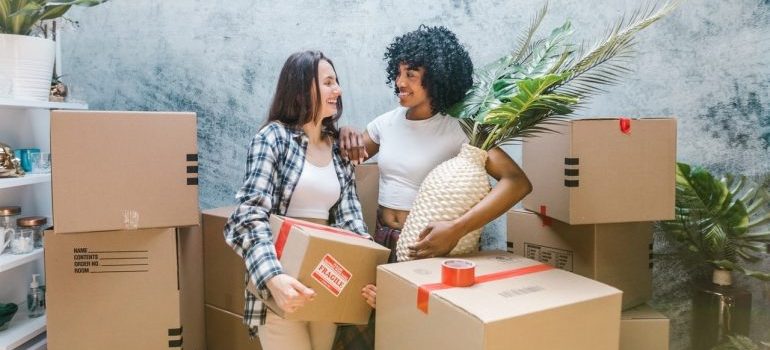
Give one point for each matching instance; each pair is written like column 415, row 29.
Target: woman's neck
column 313, row 130
column 420, row 112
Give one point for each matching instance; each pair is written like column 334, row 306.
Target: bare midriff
column 393, row 218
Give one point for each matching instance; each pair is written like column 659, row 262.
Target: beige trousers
column 280, row 334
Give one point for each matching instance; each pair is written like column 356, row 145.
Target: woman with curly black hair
column 430, row 71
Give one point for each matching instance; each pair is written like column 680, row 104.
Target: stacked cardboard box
column 123, row 262
column 597, row 186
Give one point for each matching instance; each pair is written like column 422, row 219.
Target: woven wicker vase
column 448, row 192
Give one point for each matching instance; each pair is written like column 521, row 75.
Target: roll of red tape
column 458, row 272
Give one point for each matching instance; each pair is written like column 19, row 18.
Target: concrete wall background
column 706, row 64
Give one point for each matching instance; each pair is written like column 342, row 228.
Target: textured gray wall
column 706, row 64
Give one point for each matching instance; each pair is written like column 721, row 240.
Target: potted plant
column 26, row 61
column 515, row 97
column 722, row 222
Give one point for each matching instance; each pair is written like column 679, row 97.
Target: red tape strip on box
column 283, row 232
column 625, row 125
column 424, row 291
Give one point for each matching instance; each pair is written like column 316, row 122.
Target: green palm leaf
column 20, row 16
column 544, row 80
column 714, row 219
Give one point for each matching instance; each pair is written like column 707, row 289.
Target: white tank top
column 317, row 190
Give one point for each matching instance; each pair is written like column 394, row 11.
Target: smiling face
column 411, row 93
column 330, row 90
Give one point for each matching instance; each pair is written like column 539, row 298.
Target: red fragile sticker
column 332, row 275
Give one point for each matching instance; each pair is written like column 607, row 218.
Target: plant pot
column 719, row 309
column 26, row 67
column 448, row 192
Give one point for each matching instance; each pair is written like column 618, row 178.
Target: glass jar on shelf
column 22, row 241
column 8, row 216
column 37, row 224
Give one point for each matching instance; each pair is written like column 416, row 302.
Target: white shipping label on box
column 332, row 275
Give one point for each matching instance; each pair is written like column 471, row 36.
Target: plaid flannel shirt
column 273, row 167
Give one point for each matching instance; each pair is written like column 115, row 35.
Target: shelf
column 9, row 261
column 28, row 179
column 21, row 330
column 37, row 343
column 22, row 104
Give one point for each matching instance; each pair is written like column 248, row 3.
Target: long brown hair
column 293, row 102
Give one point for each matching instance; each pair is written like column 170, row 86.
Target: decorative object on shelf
column 23, row 155
column 10, row 166
column 22, row 241
column 36, row 298
column 8, row 216
column 6, row 314
column 37, row 224
column 58, row 90
column 40, row 162
column 26, row 61
column 722, row 222
column 515, row 97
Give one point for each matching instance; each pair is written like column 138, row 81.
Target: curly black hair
column 448, row 67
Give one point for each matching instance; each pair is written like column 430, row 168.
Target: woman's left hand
column 437, row 239
column 369, row 292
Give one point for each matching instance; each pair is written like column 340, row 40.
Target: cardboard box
column 643, row 328
column 224, row 271
column 123, row 170
column 368, row 188
column 592, row 172
column 335, row 263
column 615, row 254
column 123, row 290
column 225, row 331
column 545, row 309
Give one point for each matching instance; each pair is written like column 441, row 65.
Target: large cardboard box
column 224, row 271
column 368, row 188
column 615, row 254
column 225, row 331
column 643, row 328
column 593, row 171
column 546, row 308
column 124, row 290
column 335, row 263
column 123, row 170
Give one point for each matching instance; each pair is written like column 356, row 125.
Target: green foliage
column 545, row 80
column 20, row 16
column 724, row 222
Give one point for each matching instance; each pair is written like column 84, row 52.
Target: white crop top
column 409, row 150
column 317, row 190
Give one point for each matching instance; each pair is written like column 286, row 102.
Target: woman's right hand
column 352, row 145
column 369, row 292
column 289, row 293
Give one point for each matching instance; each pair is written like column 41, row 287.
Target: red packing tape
column 458, row 273
column 424, row 291
column 625, row 125
column 288, row 223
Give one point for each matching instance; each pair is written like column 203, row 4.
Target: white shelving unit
column 25, row 124
column 28, row 179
